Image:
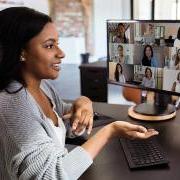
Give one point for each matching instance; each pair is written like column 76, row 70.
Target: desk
column 111, row 164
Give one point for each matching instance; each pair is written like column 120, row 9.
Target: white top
column 146, row 82
column 59, row 130
column 177, row 43
column 176, row 46
column 177, row 88
column 122, row 78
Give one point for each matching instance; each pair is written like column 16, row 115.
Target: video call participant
column 149, row 30
column 177, row 60
column 177, row 42
column 32, row 141
column 118, row 74
column 176, row 84
column 176, row 88
column 148, row 80
column 120, row 58
column 120, row 37
column 148, row 57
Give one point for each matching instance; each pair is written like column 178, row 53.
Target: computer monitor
column 145, row 54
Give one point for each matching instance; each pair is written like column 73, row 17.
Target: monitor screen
column 144, row 54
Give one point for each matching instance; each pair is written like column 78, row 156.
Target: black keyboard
column 144, row 153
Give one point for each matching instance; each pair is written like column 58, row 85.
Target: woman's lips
column 56, row 66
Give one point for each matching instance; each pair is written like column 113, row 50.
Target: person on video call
column 148, row 57
column 176, row 88
column 121, row 36
column 149, row 30
column 148, row 80
column 120, row 58
column 118, row 74
column 176, row 84
column 32, row 115
column 176, row 43
column 177, row 60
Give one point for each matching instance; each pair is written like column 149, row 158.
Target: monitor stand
column 160, row 110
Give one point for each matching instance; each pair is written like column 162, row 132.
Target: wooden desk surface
column 111, row 164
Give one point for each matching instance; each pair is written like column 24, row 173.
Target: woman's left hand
column 81, row 115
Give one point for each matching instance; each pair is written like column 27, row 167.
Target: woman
column 121, row 37
column 176, row 84
column 177, row 60
column 148, row 80
column 148, row 58
column 176, row 88
column 177, row 41
column 32, row 140
column 118, row 74
column 176, row 44
column 120, row 58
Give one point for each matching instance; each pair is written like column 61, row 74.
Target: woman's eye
column 50, row 46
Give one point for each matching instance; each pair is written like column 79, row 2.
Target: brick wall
column 74, row 19
column 69, row 18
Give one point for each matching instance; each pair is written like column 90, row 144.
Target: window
column 165, row 10
column 142, row 9
column 155, row 9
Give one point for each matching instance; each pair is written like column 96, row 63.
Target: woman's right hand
column 131, row 131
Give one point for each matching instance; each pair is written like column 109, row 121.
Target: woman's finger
column 145, row 135
column 76, row 119
column 90, row 125
column 134, row 127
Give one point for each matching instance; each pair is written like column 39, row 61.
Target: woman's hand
column 125, row 129
column 81, row 115
column 116, row 129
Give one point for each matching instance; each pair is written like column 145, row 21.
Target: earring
column 22, row 59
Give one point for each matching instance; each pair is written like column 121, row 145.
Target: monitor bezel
column 108, row 56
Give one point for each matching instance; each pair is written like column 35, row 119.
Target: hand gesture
column 81, row 115
column 125, row 129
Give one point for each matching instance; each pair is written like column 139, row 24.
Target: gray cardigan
column 29, row 148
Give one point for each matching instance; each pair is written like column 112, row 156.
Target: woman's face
column 148, row 73
column 120, row 50
column 148, row 52
column 119, row 68
column 42, row 54
column 121, row 30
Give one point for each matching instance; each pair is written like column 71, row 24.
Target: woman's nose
column 60, row 53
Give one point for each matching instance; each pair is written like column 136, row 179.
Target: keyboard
column 144, row 153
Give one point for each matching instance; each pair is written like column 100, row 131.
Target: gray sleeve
column 31, row 153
